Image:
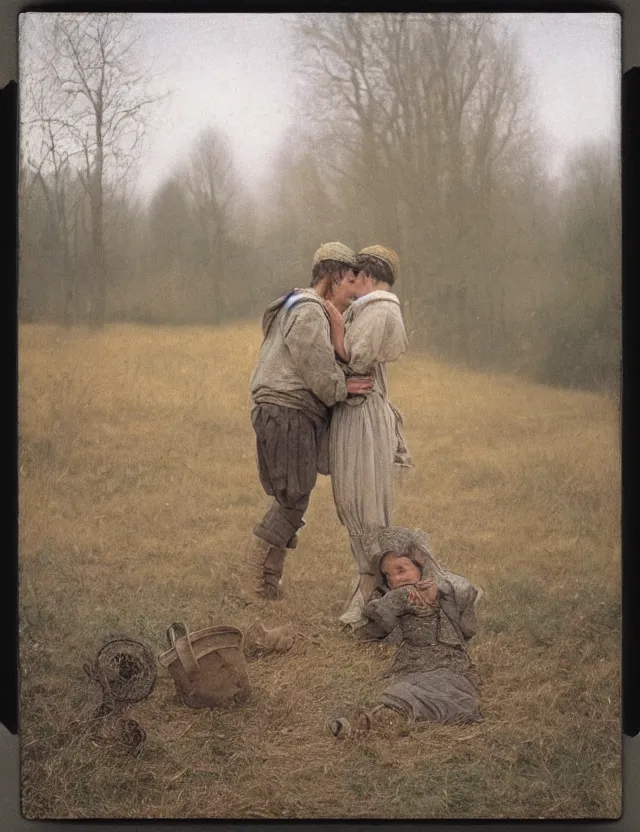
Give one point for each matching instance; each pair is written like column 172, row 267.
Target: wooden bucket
column 207, row 666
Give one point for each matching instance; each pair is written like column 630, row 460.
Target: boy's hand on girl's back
column 359, row 385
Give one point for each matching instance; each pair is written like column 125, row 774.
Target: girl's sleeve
column 457, row 598
column 376, row 335
column 384, row 612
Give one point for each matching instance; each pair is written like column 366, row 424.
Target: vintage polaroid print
column 319, row 402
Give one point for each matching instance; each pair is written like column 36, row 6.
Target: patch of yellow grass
column 138, row 491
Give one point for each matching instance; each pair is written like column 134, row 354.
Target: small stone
column 340, row 728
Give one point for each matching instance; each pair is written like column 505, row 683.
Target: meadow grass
column 138, row 492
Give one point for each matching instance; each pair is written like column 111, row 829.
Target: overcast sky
column 235, row 71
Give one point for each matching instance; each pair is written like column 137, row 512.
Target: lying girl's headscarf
column 457, row 596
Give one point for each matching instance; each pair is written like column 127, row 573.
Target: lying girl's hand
column 424, row 593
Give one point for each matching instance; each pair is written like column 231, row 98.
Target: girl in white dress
column 365, row 442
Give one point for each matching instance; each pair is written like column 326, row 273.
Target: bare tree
column 592, row 210
column 212, row 184
column 97, row 113
column 422, row 115
column 585, row 320
column 47, row 154
column 170, row 226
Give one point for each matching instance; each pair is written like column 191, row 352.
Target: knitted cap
column 387, row 255
column 334, row 251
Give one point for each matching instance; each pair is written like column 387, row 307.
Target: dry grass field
column 138, row 491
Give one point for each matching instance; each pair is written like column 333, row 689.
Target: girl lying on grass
column 430, row 613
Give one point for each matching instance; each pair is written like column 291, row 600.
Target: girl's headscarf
column 457, row 595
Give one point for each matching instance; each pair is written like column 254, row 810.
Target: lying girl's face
column 399, row 571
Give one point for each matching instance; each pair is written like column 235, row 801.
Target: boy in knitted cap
column 296, row 380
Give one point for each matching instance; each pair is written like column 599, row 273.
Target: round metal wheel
column 127, row 668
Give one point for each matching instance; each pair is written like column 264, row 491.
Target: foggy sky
column 235, row 72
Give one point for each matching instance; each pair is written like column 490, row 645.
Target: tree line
column 415, row 131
